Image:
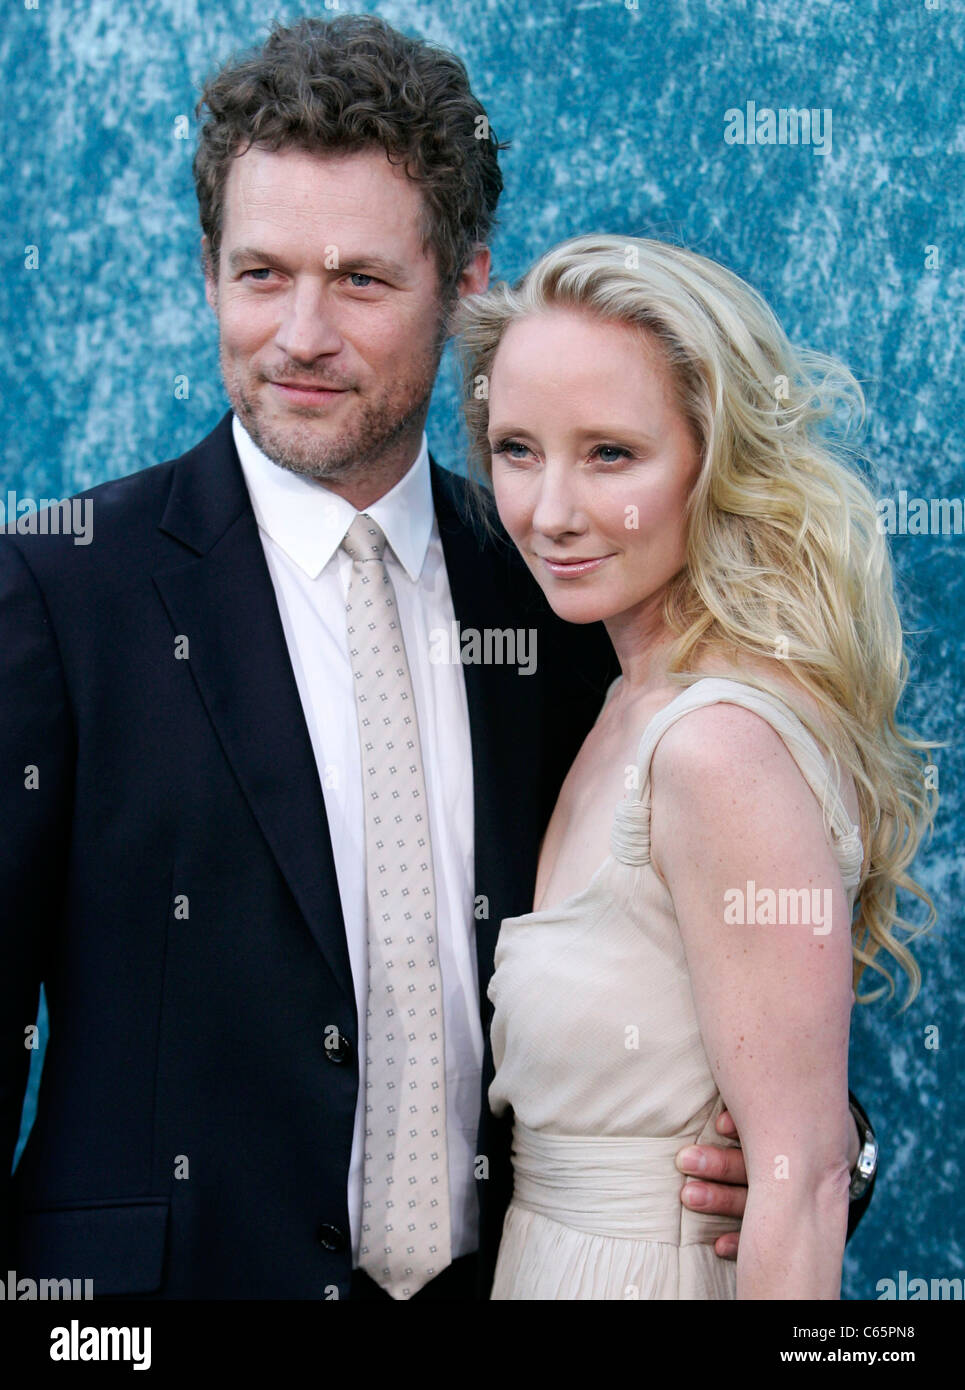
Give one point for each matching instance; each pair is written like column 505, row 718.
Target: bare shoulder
column 799, row 700
column 720, row 741
column 776, row 675
column 721, row 774
column 723, row 779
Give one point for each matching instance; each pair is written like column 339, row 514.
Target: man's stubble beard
column 364, row 449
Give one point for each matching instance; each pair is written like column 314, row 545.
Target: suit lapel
column 219, row 594
column 504, row 729
column 221, row 597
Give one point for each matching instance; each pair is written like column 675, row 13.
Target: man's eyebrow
column 356, row 265
column 248, row 253
column 353, row 265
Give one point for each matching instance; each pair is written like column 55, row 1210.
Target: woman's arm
column 733, row 821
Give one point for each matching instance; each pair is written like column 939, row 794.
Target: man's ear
column 475, row 278
column 210, row 274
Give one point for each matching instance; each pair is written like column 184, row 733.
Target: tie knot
column 364, row 539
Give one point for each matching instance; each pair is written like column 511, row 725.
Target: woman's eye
column 612, row 453
column 507, row 446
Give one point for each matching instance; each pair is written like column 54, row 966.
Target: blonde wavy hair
column 785, row 562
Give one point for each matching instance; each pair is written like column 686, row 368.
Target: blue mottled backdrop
column 616, row 113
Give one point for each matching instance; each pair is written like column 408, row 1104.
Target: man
column 260, row 839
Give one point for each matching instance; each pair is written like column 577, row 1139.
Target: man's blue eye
column 360, row 275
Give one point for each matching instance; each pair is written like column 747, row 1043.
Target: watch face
column 868, row 1158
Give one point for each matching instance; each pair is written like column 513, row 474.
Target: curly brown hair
column 350, row 84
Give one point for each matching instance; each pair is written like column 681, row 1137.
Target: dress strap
column 630, row 836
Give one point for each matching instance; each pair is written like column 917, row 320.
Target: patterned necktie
column 405, row 1204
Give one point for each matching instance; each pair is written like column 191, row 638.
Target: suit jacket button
column 331, row 1237
column 340, row 1052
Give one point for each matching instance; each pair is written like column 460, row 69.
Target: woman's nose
column 557, row 506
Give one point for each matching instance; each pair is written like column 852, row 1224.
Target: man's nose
column 308, row 329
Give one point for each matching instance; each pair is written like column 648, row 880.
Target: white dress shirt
column 301, row 524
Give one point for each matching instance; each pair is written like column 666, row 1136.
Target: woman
column 655, row 451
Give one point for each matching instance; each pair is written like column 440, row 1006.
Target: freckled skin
column 562, row 383
column 586, row 435
column 564, row 386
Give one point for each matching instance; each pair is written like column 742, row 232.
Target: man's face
column 328, row 311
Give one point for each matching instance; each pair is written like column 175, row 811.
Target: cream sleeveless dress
column 598, row 1052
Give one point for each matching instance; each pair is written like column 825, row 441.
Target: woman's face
column 592, row 462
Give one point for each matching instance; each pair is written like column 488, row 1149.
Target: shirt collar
column 308, row 521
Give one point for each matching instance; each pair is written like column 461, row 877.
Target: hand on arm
column 730, row 806
column 721, row 1179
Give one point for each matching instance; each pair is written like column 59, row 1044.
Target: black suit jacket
column 167, row 872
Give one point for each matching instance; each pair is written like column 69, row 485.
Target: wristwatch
column 867, row 1164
